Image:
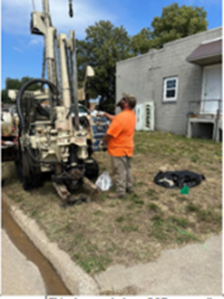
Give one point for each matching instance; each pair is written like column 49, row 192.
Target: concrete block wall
column 143, row 76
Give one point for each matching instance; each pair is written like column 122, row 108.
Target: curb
column 74, row 278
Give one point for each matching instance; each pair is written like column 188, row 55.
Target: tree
column 4, row 96
column 178, row 22
column 142, row 41
column 103, row 47
column 16, row 84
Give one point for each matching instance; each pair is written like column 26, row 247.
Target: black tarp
column 178, row 179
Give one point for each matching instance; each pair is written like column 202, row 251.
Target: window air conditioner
column 149, row 116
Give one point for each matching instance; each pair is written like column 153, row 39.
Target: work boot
column 115, row 195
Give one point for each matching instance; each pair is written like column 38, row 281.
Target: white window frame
column 165, row 98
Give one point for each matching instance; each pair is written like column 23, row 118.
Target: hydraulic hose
column 37, row 160
column 52, row 87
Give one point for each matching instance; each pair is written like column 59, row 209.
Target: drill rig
column 56, row 143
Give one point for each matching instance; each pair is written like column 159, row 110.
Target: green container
column 184, row 190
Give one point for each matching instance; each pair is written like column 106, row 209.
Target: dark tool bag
column 178, row 179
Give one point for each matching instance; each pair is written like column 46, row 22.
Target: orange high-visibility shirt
column 122, row 129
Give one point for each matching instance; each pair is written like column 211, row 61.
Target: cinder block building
column 183, row 80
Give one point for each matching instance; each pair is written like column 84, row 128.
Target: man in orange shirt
column 120, row 145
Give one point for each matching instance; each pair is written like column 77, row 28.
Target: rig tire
column 92, row 169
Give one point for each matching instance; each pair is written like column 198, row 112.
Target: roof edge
column 171, row 43
column 192, row 36
column 204, row 57
column 142, row 55
column 211, row 40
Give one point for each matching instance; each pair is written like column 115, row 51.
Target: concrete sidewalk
column 195, row 269
column 19, row 276
column 192, row 270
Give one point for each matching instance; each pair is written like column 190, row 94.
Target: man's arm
column 104, row 141
column 110, row 117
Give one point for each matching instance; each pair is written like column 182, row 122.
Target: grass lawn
column 137, row 228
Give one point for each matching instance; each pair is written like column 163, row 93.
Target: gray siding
column 143, row 77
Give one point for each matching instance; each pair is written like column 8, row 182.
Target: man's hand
column 110, row 117
column 106, row 137
column 101, row 113
column 103, row 146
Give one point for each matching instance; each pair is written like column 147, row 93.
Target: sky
column 22, row 52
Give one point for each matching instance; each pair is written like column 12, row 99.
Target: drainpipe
column 217, row 122
column 189, row 132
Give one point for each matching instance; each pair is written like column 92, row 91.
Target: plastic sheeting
column 104, row 181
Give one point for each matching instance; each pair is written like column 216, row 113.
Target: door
column 211, row 89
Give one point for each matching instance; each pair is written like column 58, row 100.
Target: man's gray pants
column 121, row 167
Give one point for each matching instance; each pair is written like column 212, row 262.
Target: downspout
column 217, row 121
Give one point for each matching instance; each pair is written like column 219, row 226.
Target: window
column 83, row 109
column 170, row 89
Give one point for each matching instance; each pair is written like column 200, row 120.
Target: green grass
column 140, row 184
column 181, row 222
column 186, row 237
column 181, row 198
column 209, row 217
column 135, row 229
column 68, row 227
column 102, row 197
column 158, row 230
column 153, row 207
column 120, row 219
column 34, row 214
column 157, row 219
column 152, row 194
column 163, row 230
column 20, row 199
column 191, row 208
column 136, row 199
column 93, row 264
column 129, row 228
column 97, row 213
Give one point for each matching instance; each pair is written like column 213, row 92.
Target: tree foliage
column 16, row 84
column 103, row 47
column 178, row 22
column 142, row 41
column 4, row 96
column 106, row 44
column 175, row 23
